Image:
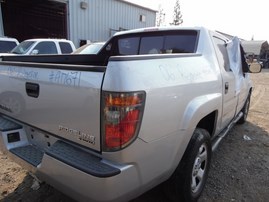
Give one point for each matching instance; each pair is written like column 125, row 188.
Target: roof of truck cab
column 156, row 29
column 46, row 39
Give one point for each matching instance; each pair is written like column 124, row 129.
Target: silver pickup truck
column 148, row 108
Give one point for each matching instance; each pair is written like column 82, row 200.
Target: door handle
column 32, row 89
column 226, row 87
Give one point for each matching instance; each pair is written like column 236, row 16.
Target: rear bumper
column 85, row 187
column 79, row 173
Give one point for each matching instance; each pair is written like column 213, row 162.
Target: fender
column 198, row 108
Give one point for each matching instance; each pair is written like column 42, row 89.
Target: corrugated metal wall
column 101, row 18
column 1, row 23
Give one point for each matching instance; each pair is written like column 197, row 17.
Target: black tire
column 245, row 111
column 188, row 181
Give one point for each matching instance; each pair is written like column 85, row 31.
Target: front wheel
column 188, row 181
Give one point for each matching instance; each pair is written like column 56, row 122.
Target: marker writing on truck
column 65, row 78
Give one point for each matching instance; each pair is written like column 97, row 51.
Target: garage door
column 25, row 19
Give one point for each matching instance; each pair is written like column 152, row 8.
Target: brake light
column 121, row 118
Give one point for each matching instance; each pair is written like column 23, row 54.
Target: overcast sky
column 242, row 18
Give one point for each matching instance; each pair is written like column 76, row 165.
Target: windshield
column 6, row 46
column 23, row 47
column 89, row 48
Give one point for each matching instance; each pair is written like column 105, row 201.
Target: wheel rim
column 199, row 168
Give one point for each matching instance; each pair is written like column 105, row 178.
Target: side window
column 65, row 47
column 222, row 53
column 128, row 46
column 46, row 47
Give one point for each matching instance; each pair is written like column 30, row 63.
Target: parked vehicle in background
column 7, row 44
column 91, row 48
column 44, row 46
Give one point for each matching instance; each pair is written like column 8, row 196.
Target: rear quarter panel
column 180, row 91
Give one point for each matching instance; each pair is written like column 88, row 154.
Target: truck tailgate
column 63, row 100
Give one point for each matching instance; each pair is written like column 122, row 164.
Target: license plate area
column 40, row 138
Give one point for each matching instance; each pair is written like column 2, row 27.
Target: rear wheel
column 188, row 181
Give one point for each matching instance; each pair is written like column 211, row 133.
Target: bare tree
column 177, row 14
column 160, row 18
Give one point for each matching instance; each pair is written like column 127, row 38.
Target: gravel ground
column 240, row 166
column 239, row 169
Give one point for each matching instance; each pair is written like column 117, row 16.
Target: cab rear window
column 158, row 43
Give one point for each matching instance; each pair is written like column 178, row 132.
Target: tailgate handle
column 32, row 89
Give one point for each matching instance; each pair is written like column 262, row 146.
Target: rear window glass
column 180, row 44
column 6, row 46
column 151, row 45
column 128, row 46
column 65, row 47
column 159, row 43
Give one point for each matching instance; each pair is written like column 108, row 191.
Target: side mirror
column 34, row 52
column 255, row 67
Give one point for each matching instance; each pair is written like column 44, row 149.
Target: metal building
column 97, row 20
column 77, row 20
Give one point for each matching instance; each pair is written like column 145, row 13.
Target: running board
column 220, row 136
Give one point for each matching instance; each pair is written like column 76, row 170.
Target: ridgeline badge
column 80, row 135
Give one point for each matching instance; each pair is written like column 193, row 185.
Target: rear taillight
column 121, row 118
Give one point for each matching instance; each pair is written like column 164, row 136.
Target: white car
column 44, row 46
column 7, row 44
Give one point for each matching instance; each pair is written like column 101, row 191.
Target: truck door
column 238, row 63
column 228, row 83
